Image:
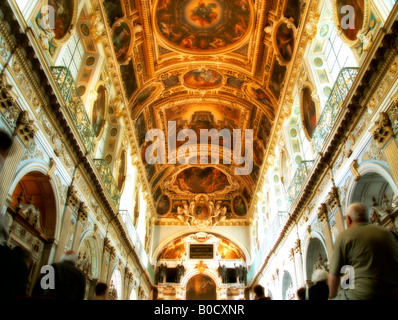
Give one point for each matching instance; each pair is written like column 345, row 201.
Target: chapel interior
column 106, row 100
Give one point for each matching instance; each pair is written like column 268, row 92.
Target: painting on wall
column 259, row 95
column 145, row 94
column 163, row 205
column 264, row 129
column 122, row 170
column 239, row 206
column 201, row 287
column 171, row 81
column 277, row 79
column 293, row 10
column 309, row 115
column 128, row 76
column 113, row 10
column 64, row 12
column 158, row 177
column 122, row 40
column 235, row 82
column 175, row 250
column 197, row 116
column 284, row 41
column 140, row 128
column 203, row 79
column 196, row 180
column 359, row 8
column 258, row 151
column 98, row 115
column 198, row 26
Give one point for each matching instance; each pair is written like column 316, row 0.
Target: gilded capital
column 382, row 130
column 333, row 199
column 83, row 212
column 323, row 213
column 72, row 199
column 25, row 129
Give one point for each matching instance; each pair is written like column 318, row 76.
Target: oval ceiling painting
column 122, row 41
column 308, row 112
column 207, row 180
column 284, row 41
column 64, row 16
column 351, row 26
column 200, row 26
column 203, row 79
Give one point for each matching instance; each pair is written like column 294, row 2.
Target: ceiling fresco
column 204, row 64
column 202, row 26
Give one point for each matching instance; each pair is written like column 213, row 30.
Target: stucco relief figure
column 204, row 13
column 180, row 272
column 183, row 214
column 162, row 273
column 220, row 213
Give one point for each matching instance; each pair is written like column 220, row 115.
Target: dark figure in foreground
column 13, row 269
column 101, row 291
column 301, row 293
column 320, row 289
column 69, row 284
column 371, row 252
column 259, row 293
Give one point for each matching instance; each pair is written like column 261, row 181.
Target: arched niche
column 315, row 256
column 88, row 262
column 372, row 189
column 133, row 294
column 181, row 234
column 287, row 286
column 115, row 286
column 200, row 286
column 33, row 223
column 34, row 191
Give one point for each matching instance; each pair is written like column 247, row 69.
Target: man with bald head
column 371, row 252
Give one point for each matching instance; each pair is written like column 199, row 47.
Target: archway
column 373, row 190
column 133, row 295
column 115, row 287
column 34, row 219
column 287, row 287
column 201, row 287
column 88, row 262
column 316, row 257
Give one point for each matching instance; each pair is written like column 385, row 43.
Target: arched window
column 115, row 287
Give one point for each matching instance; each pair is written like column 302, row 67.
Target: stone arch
column 373, row 181
column 315, row 249
column 287, row 286
column 116, row 285
column 133, row 294
column 34, row 213
column 88, row 241
column 43, row 169
column 195, row 274
column 182, row 233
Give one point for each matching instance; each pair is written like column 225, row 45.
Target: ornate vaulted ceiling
column 203, row 64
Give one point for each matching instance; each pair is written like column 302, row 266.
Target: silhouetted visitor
column 320, row 289
column 5, row 145
column 259, row 293
column 13, row 269
column 101, row 291
column 301, row 293
column 371, row 254
column 69, row 282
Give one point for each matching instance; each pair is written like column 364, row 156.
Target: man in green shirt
column 370, row 253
